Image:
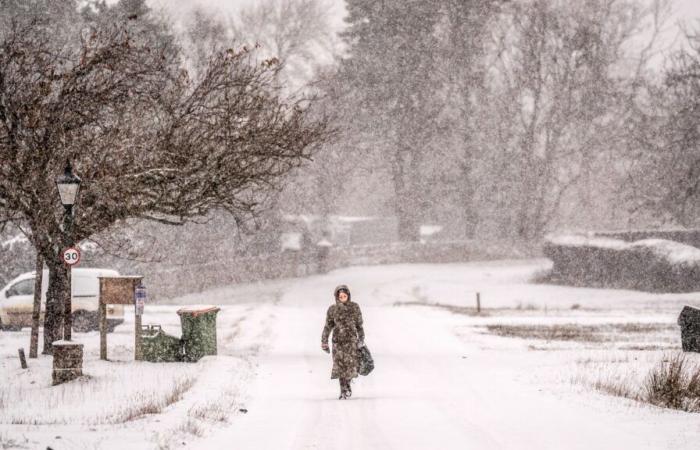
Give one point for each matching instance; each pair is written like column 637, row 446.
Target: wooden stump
column 67, row 361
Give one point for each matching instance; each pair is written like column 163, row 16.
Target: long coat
column 344, row 320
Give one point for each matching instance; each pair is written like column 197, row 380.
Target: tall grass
column 673, row 383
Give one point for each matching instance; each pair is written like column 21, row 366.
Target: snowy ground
column 444, row 378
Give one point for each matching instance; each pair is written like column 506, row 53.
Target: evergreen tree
column 390, row 80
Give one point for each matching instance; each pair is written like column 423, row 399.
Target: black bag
column 366, row 361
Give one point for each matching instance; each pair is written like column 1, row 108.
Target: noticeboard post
column 121, row 291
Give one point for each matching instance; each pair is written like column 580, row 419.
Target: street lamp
column 68, row 186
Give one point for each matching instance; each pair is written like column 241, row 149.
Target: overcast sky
column 231, row 6
column 687, row 11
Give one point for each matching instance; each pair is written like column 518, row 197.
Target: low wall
column 168, row 281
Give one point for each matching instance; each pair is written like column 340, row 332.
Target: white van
column 17, row 300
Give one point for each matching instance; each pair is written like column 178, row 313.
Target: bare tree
column 148, row 141
column 464, row 67
column 567, row 90
column 298, row 33
column 664, row 164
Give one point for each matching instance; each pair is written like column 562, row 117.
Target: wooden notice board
column 118, row 291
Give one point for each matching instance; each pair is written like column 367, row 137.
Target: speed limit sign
column 71, row 256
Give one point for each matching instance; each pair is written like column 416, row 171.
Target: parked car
column 17, row 300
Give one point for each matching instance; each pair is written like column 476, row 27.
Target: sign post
column 118, row 291
column 71, row 257
column 139, row 303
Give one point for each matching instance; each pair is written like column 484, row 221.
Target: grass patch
column 526, row 307
column 579, row 333
column 113, row 398
column 673, row 383
column 212, row 412
column 566, row 332
column 191, row 427
column 615, row 387
column 153, row 404
column 521, row 308
column 466, row 310
column 7, row 443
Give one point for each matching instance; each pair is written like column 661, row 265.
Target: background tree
column 390, row 76
column 297, row 33
column 565, row 94
column 664, row 157
column 464, row 33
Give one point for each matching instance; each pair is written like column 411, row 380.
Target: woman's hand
column 360, row 344
column 324, row 347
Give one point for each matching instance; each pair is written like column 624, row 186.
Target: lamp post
column 68, row 186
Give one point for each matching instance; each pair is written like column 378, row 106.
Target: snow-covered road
column 432, row 388
column 441, row 381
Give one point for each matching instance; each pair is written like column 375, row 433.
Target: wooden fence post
column 22, row 359
column 103, row 329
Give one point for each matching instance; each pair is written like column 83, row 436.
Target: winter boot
column 348, row 390
column 343, row 390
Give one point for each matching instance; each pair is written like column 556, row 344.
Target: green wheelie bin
column 198, row 331
column 157, row 346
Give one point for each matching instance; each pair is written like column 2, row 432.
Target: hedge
column 654, row 265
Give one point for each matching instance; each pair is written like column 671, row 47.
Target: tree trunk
column 528, row 198
column 408, row 229
column 469, row 213
column 406, row 210
column 55, row 300
column 36, row 310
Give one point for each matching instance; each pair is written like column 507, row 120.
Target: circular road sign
column 71, row 256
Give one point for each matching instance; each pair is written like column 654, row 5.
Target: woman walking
column 344, row 319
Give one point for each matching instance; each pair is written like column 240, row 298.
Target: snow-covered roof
column 671, row 250
column 429, row 230
column 306, row 218
column 15, row 240
column 352, row 219
column 576, row 240
column 291, row 241
column 65, row 343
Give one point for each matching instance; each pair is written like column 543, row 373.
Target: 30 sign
column 71, row 256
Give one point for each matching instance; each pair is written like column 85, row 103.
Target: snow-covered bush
column 655, row 265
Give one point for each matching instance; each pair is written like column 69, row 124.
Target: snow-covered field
column 518, row 376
